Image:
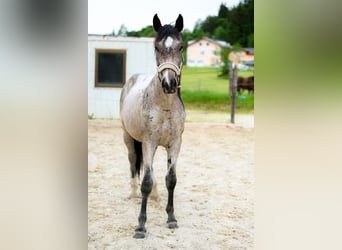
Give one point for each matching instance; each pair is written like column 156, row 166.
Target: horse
column 152, row 114
column 245, row 83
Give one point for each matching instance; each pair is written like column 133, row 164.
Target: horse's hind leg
column 135, row 159
column 154, row 193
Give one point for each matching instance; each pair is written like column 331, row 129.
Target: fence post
column 233, row 72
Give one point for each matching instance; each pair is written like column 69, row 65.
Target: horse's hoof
column 139, row 235
column 172, row 224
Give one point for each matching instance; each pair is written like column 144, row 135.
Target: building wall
column 104, row 102
column 203, row 53
column 240, row 55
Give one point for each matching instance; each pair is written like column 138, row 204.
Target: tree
column 209, row 24
column 122, row 31
column 148, row 31
column 251, row 40
column 237, row 47
column 225, row 60
column 235, row 25
column 223, row 11
column 133, row 33
column 187, row 36
column 198, row 32
column 221, row 32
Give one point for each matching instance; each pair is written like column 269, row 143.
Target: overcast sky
column 106, row 15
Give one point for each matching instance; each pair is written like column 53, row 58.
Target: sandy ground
column 241, row 120
column 214, row 196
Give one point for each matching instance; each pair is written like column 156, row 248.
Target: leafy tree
column 187, row 36
column 251, row 40
column 122, row 31
column 223, row 11
column 198, row 32
column 235, row 25
column 221, row 32
column 133, row 33
column 209, row 24
column 237, row 47
column 224, row 71
column 148, row 31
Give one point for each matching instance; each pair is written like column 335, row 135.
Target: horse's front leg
column 146, row 188
column 171, row 180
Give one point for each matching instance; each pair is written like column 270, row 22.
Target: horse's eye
column 156, row 48
column 181, row 49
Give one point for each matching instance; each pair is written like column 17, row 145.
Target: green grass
column 202, row 79
column 203, row 89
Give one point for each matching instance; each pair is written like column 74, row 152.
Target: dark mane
column 165, row 31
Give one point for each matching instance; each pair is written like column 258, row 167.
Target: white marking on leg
column 134, row 187
column 154, row 194
column 168, row 42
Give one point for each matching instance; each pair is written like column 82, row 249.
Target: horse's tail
column 138, row 153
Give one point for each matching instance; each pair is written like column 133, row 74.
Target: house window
column 208, row 44
column 200, row 44
column 110, row 68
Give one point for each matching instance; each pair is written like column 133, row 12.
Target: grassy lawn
column 203, row 89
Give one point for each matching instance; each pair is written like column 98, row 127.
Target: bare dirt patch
column 214, row 196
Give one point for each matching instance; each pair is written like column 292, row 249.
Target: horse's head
column 168, row 49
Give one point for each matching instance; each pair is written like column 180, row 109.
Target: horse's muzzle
column 169, row 87
column 170, row 78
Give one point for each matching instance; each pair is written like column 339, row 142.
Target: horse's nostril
column 173, row 83
column 164, row 83
column 169, row 86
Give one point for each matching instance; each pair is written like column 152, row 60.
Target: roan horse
column 152, row 114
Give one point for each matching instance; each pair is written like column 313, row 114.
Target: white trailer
column 111, row 62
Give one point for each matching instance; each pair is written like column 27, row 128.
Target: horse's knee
column 147, row 184
column 171, row 179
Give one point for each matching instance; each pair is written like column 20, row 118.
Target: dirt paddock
column 214, row 196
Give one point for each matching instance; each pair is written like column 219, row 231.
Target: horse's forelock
column 165, row 31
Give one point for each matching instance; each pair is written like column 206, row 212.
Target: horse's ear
column 179, row 23
column 156, row 23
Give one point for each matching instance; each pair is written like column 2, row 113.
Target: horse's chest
column 166, row 126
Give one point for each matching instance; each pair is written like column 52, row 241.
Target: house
column 111, row 62
column 205, row 52
column 245, row 57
